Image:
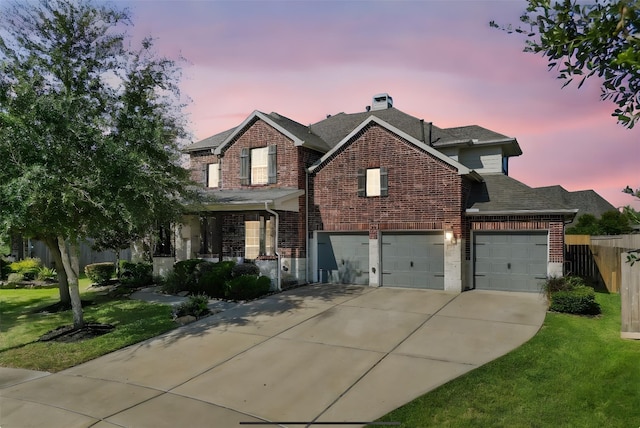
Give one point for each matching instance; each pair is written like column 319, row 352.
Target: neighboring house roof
column 210, row 142
column 284, row 199
column 500, row 194
column 586, row 201
column 462, row 170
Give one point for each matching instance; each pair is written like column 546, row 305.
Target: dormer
column 479, row 148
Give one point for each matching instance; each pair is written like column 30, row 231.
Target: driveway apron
column 321, row 353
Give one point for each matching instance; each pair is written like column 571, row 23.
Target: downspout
column 278, row 268
column 306, row 226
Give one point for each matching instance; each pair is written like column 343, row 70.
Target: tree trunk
column 63, row 285
column 71, row 266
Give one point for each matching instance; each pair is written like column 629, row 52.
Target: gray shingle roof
column 586, row 201
column 209, row 142
column 301, row 131
column 502, row 194
column 333, row 129
column 238, row 200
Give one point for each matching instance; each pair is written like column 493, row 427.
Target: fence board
column 630, row 300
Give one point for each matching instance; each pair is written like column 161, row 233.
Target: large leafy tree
column 89, row 129
column 582, row 40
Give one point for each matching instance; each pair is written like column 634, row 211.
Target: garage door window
column 373, row 182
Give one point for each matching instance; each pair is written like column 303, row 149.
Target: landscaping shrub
column 195, row 306
column 580, row 300
column 136, row 274
column 185, row 271
column 47, row 274
column 213, row 278
column 172, row 283
column 5, row 269
column 248, row 287
column 100, row 273
column 186, row 267
column 245, row 269
column 15, row 278
column 562, row 283
column 28, row 267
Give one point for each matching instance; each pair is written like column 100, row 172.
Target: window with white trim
column 258, row 166
column 373, row 182
column 213, row 175
column 259, row 238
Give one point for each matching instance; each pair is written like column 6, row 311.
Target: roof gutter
column 477, row 213
column 278, row 268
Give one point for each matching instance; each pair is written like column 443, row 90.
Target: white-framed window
column 260, row 165
column 213, row 175
column 259, row 237
column 373, row 182
column 251, row 239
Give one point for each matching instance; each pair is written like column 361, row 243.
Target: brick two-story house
column 377, row 197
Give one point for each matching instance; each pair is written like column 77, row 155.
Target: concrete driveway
column 321, row 353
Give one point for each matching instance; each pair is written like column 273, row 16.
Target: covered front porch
column 258, row 225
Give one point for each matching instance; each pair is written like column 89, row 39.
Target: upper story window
column 213, row 175
column 373, row 182
column 258, row 166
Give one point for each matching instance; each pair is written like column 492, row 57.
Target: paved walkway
column 317, row 353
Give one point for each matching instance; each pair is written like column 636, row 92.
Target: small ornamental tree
column 89, row 129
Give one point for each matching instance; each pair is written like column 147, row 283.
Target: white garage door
column 343, row 258
column 414, row 260
column 512, row 261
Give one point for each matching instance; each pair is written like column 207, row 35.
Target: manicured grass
column 21, row 326
column 576, row 372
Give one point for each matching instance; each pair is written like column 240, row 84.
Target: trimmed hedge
column 100, row 273
column 135, row 274
column 213, row 277
column 579, row 300
column 247, row 287
column 246, row 269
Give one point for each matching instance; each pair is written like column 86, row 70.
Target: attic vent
column 381, row 102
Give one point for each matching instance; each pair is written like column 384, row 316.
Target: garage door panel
column 510, row 261
column 343, row 258
column 414, row 260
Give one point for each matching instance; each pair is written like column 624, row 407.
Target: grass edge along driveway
column 21, row 326
column 576, row 372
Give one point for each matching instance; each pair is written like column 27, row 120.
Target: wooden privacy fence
column 598, row 258
column 630, row 299
column 87, row 254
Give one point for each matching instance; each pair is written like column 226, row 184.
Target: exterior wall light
column 449, row 237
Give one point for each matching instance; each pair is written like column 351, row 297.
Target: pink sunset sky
column 439, row 60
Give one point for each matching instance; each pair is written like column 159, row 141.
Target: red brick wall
column 554, row 224
column 424, row 192
column 292, row 162
column 257, row 135
column 197, row 160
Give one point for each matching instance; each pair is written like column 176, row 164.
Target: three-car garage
column 508, row 261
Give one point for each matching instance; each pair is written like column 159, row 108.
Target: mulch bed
column 68, row 333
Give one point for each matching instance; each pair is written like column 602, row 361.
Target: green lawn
column 21, row 326
column 576, row 372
